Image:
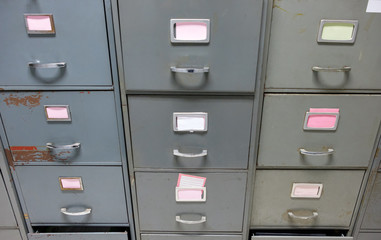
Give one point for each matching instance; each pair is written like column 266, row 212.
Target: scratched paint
column 29, row 101
column 29, row 154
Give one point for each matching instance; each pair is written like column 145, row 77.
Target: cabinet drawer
column 369, row 236
column 283, row 130
column 276, row 203
column 372, row 216
column 189, row 237
column 10, row 234
column 78, row 236
column 224, row 140
column 230, row 56
column 7, row 218
column 222, row 210
column 103, row 193
column 92, row 124
column 290, row 62
column 298, row 238
column 80, row 41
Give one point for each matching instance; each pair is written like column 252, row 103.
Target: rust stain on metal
column 32, row 156
column 377, row 152
column 8, row 154
column 26, row 216
column 276, row 6
column 27, row 101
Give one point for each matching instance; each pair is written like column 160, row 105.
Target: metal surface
column 87, row 211
column 220, row 203
column 202, row 220
column 372, row 217
column 10, row 234
column 299, row 238
column 353, row 140
column 328, row 69
column 190, row 70
column 311, row 153
column 369, row 236
column 78, row 236
column 47, row 65
column 227, row 137
column 272, row 202
column 292, row 215
column 231, row 54
column 177, row 153
column 189, row 237
column 7, row 218
column 77, row 42
column 103, row 193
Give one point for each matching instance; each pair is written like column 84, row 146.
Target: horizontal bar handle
column 177, row 153
column 311, row 153
column 322, row 69
column 86, row 212
column 202, row 220
column 47, row 65
column 190, row 70
column 314, row 215
column 71, row 146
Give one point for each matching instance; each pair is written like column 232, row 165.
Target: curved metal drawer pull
column 46, row 65
column 86, row 212
column 177, row 153
column 71, row 146
column 310, row 153
column 322, row 69
column 292, row 215
column 190, row 70
column 202, row 220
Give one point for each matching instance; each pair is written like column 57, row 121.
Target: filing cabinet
column 61, row 119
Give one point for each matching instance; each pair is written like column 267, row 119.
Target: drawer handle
column 86, row 212
column 202, row 220
column 310, row 153
column 322, row 69
column 177, row 153
column 63, row 147
column 190, row 70
column 46, row 65
column 292, row 215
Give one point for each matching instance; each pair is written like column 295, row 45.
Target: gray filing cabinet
column 191, row 89
column 61, row 119
column 320, row 119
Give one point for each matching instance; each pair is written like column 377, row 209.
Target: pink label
column 57, row 112
column 185, row 194
column 71, row 183
column 306, row 191
column 191, row 31
column 39, row 23
column 185, row 180
column 322, row 121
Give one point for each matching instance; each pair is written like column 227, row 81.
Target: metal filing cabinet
column 61, row 119
column 191, row 88
column 320, row 119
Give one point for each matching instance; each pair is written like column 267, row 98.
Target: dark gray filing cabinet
column 191, row 95
column 320, row 120
column 61, row 119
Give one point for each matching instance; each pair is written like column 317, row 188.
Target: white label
column 374, row 6
column 190, row 123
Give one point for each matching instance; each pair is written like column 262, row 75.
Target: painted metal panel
column 294, row 49
column 283, row 137
column 93, row 126
column 273, row 205
column 369, row 236
column 230, row 56
column 7, row 218
column 103, row 193
column 226, row 139
column 189, row 237
column 78, row 236
column 223, row 209
column 372, row 217
column 10, row 234
column 298, row 238
column 80, row 42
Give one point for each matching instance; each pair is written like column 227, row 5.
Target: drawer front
column 223, row 208
column 273, row 204
column 189, row 237
column 102, row 192
column 78, row 236
column 350, row 144
column 7, row 219
column 226, row 139
column 298, row 238
column 372, row 216
column 10, row 234
column 80, row 41
column 369, row 236
column 93, row 124
column 294, row 49
column 231, row 55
